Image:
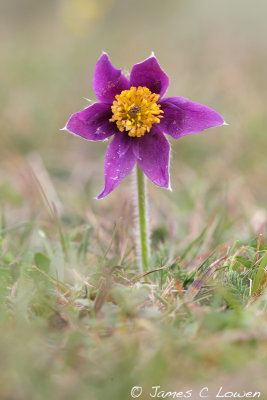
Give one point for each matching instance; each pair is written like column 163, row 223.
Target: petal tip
column 225, row 123
column 100, row 196
column 166, row 186
column 103, row 57
column 146, row 59
column 104, row 53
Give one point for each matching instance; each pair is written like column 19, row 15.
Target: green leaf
column 244, row 261
column 42, row 262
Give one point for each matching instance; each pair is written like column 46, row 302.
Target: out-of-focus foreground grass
column 75, row 321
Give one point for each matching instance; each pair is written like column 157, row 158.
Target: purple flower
column 137, row 116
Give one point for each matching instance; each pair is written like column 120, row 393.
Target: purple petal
column 119, row 162
column 154, row 155
column 183, row 117
column 148, row 73
column 108, row 81
column 92, row 123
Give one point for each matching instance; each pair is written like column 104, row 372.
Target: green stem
column 142, row 217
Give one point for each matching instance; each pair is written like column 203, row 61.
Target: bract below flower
column 135, row 113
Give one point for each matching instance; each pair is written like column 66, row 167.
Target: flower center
column 136, row 110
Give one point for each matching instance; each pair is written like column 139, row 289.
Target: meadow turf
column 79, row 321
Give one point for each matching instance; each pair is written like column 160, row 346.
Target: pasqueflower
column 135, row 113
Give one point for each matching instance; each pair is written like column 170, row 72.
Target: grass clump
column 79, row 322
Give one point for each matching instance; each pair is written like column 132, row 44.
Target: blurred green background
column 214, row 53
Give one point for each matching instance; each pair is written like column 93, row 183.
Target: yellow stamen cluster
column 136, row 110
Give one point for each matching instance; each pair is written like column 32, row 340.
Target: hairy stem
column 142, row 219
